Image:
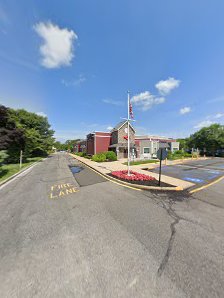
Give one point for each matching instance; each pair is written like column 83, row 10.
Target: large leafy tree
column 12, row 138
column 22, row 130
column 38, row 135
column 209, row 138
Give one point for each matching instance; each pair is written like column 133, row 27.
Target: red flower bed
column 133, row 177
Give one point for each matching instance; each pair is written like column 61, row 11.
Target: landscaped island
column 136, row 178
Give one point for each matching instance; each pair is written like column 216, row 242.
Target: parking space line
column 207, row 185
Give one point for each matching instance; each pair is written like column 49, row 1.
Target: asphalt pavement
column 199, row 172
column 66, row 232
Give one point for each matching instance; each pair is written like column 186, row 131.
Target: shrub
column 82, row 154
column 111, row 155
column 178, row 152
column 177, row 155
column 100, row 157
column 3, row 156
column 187, row 154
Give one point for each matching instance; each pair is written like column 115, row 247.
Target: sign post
column 161, row 155
column 21, row 159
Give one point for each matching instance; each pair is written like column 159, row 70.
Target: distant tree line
column 209, row 140
column 68, row 145
column 26, row 131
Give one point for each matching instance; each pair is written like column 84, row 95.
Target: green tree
column 12, row 138
column 22, row 130
column 60, row 146
column 70, row 144
column 38, row 135
column 210, row 138
column 183, row 143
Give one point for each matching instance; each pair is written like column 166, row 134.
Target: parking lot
column 199, row 172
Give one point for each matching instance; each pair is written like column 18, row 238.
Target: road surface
column 200, row 172
column 65, row 235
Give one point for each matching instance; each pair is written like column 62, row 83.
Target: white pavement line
column 200, row 168
column 18, row 175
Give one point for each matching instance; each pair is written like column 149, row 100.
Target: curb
column 18, row 173
column 206, row 185
column 130, row 185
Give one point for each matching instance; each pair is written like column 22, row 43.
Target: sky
column 75, row 60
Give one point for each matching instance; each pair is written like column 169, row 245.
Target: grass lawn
column 141, row 162
column 10, row 169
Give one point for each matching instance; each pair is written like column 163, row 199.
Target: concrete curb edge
column 140, row 187
column 18, row 173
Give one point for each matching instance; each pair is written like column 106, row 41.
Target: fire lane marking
column 62, row 190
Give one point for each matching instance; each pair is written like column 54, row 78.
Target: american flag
column 131, row 110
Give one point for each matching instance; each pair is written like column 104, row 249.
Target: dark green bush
column 178, row 152
column 187, row 154
column 100, row 157
column 111, row 155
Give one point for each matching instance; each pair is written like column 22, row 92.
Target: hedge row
column 104, row 156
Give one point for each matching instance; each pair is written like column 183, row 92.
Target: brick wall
column 90, row 144
column 103, row 141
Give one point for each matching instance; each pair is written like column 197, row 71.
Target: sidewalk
column 108, row 167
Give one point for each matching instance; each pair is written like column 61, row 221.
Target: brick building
column 119, row 140
column 116, row 140
column 97, row 142
column 80, row 146
column 143, row 147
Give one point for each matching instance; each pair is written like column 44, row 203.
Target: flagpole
column 128, row 133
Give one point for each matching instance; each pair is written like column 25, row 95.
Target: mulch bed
column 146, row 183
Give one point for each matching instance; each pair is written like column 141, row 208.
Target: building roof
column 120, row 124
column 147, row 137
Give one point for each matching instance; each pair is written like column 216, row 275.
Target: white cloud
column 57, row 49
column 219, row 115
column 113, row 102
column 185, row 110
column 41, row 114
column 146, row 100
column 204, row 123
column 109, row 127
column 164, row 87
column 77, row 82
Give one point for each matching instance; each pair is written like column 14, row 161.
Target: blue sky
column 75, row 60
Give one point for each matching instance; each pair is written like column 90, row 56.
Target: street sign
column 162, row 153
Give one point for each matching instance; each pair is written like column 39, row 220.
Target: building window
column 146, row 150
